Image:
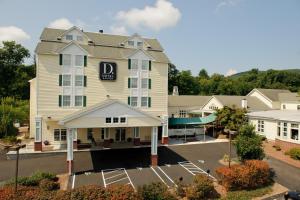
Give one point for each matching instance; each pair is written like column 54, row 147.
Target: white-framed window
column 115, row 119
column 79, row 38
column 136, row 132
column 79, row 60
column 69, row 37
column 66, row 100
column 144, row 102
column 278, row 129
column 182, row 113
column 283, row 106
column 60, row 134
column 67, row 59
column 79, row 80
column 134, row 101
column 37, row 131
column 66, row 80
column 145, row 83
column 145, row 64
column 131, row 43
column 261, row 126
column 134, row 64
column 78, row 100
column 123, row 120
column 140, row 44
column 284, row 129
column 108, row 120
column 134, row 83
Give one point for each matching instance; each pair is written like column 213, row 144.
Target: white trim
column 76, row 44
column 71, row 29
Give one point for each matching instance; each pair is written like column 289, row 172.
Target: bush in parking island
column 294, row 153
column 201, row 188
column 34, row 179
column 48, row 185
column 121, row 192
column 155, row 191
column 250, row 175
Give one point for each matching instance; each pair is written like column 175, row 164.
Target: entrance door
column 120, row 134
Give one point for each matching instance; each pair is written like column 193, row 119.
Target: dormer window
column 139, row 44
column 79, row 38
column 69, row 37
column 131, row 43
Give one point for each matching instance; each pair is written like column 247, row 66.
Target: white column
column 70, row 135
column 154, row 141
column 74, row 134
column 165, row 126
column 38, row 129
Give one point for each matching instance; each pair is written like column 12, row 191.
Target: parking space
column 133, row 167
column 116, row 176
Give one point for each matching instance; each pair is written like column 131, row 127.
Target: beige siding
column 48, row 71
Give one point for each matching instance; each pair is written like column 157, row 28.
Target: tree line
column 239, row 84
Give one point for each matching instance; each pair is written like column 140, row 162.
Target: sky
column 221, row 36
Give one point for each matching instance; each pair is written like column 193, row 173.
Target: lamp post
column 17, row 149
column 229, row 157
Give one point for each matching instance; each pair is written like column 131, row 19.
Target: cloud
column 12, row 33
column 118, row 30
column 162, row 15
column 226, row 3
column 62, row 23
column 231, row 72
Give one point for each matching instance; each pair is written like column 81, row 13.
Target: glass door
column 120, row 134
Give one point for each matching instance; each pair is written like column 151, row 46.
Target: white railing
column 188, row 131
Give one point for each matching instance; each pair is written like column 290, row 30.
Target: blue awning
column 193, row 120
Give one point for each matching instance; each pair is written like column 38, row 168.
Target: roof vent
column 101, row 31
column 90, row 42
column 59, row 38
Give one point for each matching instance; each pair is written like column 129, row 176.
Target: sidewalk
column 279, row 155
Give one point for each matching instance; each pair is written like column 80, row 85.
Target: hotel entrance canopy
column 193, row 120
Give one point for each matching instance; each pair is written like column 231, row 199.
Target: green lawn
column 247, row 194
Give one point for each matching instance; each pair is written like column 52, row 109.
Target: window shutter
column 128, row 82
column 85, row 61
column 84, row 81
column 128, row 101
column 84, row 101
column 59, row 100
column 149, row 102
column 149, row 83
column 129, row 63
column 60, row 80
column 60, row 59
column 149, row 65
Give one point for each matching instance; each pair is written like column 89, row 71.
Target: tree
column 203, row 74
column 248, row 144
column 172, row 77
column 14, row 76
column 231, row 118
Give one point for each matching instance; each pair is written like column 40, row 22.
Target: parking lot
column 132, row 166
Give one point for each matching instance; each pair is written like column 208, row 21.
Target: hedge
column 250, row 175
column 294, row 153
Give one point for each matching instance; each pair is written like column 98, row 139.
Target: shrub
column 294, row 153
column 252, row 174
column 48, row 185
column 121, row 192
column 202, row 187
column 10, row 139
column 89, row 192
column 34, row 179
column 154, row 191
column 180, row 189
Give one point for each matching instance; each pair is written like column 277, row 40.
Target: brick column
column 165, row 133
column 38, row 146
column 106, row 143
column 137, row 141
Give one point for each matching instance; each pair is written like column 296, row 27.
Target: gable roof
column 98, row 106
column 187, row 100
column 271, row 94
column 289, row 97
column 101, row 39
column 253, row 103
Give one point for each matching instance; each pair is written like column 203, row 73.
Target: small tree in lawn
column 248, row 144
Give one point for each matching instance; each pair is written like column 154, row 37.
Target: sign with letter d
column 108, row 71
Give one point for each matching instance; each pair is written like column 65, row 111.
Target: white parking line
column 159, row 176
column 73, row 181
column 193, row 169
column 122, row 171
column 167, row 176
